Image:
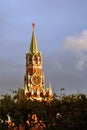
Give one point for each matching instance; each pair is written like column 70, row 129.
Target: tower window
column 36, row 59
column 41, row 94
column 35, row 94
column 30, row 59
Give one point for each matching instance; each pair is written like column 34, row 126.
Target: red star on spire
column 33, row 25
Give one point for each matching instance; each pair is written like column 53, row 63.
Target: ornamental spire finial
column 33, row 25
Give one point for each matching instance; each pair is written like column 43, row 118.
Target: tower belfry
column 34, row 78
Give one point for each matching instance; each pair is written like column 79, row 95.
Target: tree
column 68, row 113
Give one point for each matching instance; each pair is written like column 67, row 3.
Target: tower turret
column 34, row 81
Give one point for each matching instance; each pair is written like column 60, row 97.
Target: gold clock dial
column 36, row 79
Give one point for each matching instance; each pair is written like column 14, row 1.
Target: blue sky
column 61, row 31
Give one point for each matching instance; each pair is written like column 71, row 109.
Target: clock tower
column 34, row 85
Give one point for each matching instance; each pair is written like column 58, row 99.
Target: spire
column 33, row 45
column 50, row 89
column 26, row 90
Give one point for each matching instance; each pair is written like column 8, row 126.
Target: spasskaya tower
column 34, row 86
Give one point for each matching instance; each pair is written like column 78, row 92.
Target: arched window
column 30, row 59
column 35, row 59
column 35, row 94
column 41, row 94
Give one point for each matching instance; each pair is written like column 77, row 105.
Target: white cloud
column 77, row 42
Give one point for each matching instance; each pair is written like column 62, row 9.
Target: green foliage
column 66, row 113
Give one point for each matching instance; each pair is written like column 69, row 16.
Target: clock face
column 36, row 79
